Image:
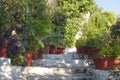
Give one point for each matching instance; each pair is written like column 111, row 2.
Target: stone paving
column 54, row 67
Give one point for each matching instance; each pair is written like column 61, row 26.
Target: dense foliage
column 115, row 30
column 38, row 22
column 98, row 28
column 59, row 21
column 12, row 13
column 73, row 10
column 29, row 19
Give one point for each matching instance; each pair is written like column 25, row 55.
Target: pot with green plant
column 34, row 45
column 60, row 43
column 52, row 46
column 60, row 46
column 93, row 45
column 47, row 45
column 4, row 28
column 38, row 52
column 59, row 21
column 39, row 25
column 31, row 48
column 57, row 43
column 81, row 45
column 109, row 55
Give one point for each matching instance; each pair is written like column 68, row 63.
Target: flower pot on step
column 103, row 63
column 47, row 49
column 3, row 50
column 29, row 59
column 92, row 51
column 52, row 50
column 100, row 63
column 60, row 50
column 81, row 50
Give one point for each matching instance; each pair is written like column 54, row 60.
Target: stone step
column 63, row 63
column 64, row 56
column 61, row 77
column 51, row 70
column 11, row 73
column 5, row 61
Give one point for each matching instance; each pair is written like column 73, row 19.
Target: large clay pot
column 47, row 49
column 103, row 63
column 113, row 63
column 39, row 55
column 92, row 51
column 36, row 56
column 100, row 63
column 29, row 59
column 81, row 50
column 3, row 50
column 52, row 50
column 60, row 50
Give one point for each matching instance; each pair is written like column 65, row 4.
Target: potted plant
column 81, row 45
column 60, row 46
column 59, row 43
column 97, row 28
column 108, row 56
column 52, row 44
column 47, row 45
column 93, row 45
column 57, row 36
column 4, row 28
column 38, row 53
column 34, row 44
column 39, row 25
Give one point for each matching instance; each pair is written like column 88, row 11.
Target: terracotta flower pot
column 29, row 59
column 113, row 63
column 36, row 56
column 52, row 50
column 102, row 63
column 92, row 51
column 47, row 49
column 60, row 50
column 81, row 50
column 3, row 50
column 39, row 55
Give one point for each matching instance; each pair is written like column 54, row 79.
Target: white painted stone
column 4, row 76
column 5, row 62
column 10, row 72
column 5, row 72
column 61, row 56
column 100, row 74
column 61, row 77
column 51, row 70
column 16, row 72
column 53, row 56
column 70, row 50
column 60, row 63
column 63, row 63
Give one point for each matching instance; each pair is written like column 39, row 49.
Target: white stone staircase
column 9, row 72
column 60, row 67
column 53, row 67
column 60, row 60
